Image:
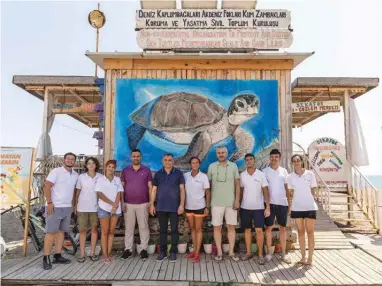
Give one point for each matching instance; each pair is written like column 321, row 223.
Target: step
column 341, row 203
column 344, row 211
column 358, row 230
column 351, row 219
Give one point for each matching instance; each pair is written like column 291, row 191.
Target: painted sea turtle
column 191, row 119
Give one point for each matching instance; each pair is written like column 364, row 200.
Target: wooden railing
column 322, row 195
column 364, row 193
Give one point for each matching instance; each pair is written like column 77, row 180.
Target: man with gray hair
column 225, row 199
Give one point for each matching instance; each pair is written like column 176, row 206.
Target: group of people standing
column 260, row 197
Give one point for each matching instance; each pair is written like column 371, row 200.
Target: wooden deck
column 331, row 267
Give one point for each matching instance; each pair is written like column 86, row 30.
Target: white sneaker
column 268, row 257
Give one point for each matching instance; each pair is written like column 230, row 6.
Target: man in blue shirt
column 168, row 189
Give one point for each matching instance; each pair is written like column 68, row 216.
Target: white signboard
column 328, row 157
column 214, row 39
column 211, row 18
column 317, row 106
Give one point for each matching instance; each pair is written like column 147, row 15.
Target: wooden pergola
column 309, row 89
column 64, row 90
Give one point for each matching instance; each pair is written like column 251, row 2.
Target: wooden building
column 259, row 66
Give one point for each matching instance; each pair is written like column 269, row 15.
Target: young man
column 280, row 202
column 225, row 188
column 254, row 188
column 137, row 182
column 169, row 184
column 58, row 190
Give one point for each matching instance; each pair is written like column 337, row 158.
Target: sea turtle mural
column 192, row 119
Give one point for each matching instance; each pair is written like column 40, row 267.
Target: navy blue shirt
column 168, row 189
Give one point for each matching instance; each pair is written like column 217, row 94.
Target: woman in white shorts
column 109, row 190
column 198, row 199
column 302, row 184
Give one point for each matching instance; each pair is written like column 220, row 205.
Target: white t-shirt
column 195, row 190
column 110, row 190
column 64, row 183
column 253, row 196
column 277, row 180
column 87, row 200
column 302, row 196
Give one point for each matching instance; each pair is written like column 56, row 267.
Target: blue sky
column 51, row 37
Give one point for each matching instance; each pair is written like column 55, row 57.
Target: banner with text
column 211, row 18
column 214, row 39
column 15, row 168
column 317, row 106
column 328, row 157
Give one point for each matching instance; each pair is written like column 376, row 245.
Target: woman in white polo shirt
column 85, row 206
column 303, row 183
column 198, row 199
column 109, row 190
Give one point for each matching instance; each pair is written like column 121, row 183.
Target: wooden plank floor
column 327, row 234
column 331, row 267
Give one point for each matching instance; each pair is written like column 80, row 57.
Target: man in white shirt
column 280, row 202
column 254, row 188
column 59, row 190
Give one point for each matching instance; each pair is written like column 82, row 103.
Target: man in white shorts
column 225, row 199
column 59, row 189
column 280, row 202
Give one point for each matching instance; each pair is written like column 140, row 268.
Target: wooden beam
column 152, row 64
column 329, row 89
column 78, row 96
column 67, row 88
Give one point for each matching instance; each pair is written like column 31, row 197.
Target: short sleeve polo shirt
column 64, row 183
column 168, row 189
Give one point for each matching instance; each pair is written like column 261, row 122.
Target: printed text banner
column 211, row 18
column 214, row 39
column 15, row 167
column 317, row 106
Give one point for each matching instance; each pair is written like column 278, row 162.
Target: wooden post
column 46, row 110
column 348, row 148
column 285, row 102
column 27, row 206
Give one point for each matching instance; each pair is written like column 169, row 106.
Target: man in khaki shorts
column 225, row 194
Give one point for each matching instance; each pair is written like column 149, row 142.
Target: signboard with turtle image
column 192, row 118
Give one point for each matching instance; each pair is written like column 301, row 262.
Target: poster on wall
column 328, row 157
column 192, row 118
column 15, row 169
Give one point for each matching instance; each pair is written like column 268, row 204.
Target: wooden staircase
column 351, row 207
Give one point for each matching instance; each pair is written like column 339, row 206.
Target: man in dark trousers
column 168, row 189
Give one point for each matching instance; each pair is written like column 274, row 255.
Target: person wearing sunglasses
column 255, row 195
column 280, row 202
column 225, row 200
column 302, row 184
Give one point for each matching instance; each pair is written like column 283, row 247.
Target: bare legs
column 308, row 225
column 57, row 238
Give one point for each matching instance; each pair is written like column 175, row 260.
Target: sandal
column 94, row 257
column 81, row 259
column 196, row 259
column 191, row 255
column 247, row 257
column 106, row 260
column 299, row 263
column 234, row 258
column 218, row 257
